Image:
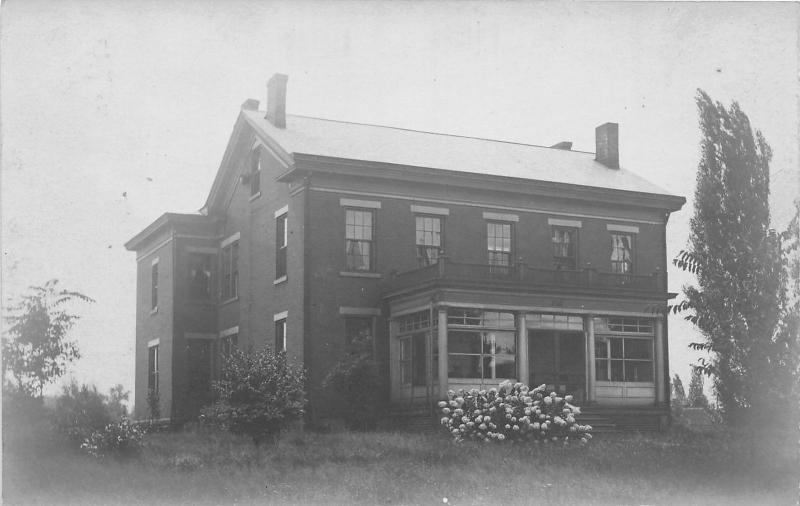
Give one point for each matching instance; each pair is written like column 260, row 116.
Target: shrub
column 153, row 404
column 356, row 380
column 119, row 439
column 512, row 412
column 80, row 411
column 260, row 395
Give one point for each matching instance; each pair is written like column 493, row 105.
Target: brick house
column 469, row 261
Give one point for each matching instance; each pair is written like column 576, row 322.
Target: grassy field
column 196, row 467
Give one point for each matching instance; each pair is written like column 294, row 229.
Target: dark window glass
column 464, row 366
column 429, row 239
column 499, row 243
column 565, row 247
column 199, row 275
column 152, row 369
column 359, row 239
column 230, row 271
column 418, row 360
column 280, row 335
column 357, row 329
column 622, row 253
column 154, row 286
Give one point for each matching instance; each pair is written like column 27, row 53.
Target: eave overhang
column 166, row 220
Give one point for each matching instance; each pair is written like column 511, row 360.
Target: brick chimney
column 607, row 145
column 276, row 100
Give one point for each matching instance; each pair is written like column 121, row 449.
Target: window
column 481, row 344
column 357, row 329
column 429, row 239
column 622, row 253
column 154, row 285
column 623, row 358
column 199, row 275
column 281, row 243
column 230, row 271
column 227, row 344
column 499, row 243
column 565, row 248
column 152, row 369
column 359, row 239
column 414, row 349
column 255, row 174
column 280, row 335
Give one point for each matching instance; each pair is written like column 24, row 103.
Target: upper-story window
column 199, row 275
column 622, row 253
column 359, row 239
column 152, row 369
column 255, row 174
column 230, row 270
column 565, row 247
column 281, row 242
column 429, row 239
column 280, row 331
column 154, row 285
column 499, row 243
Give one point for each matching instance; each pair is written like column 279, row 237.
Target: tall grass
column 206, row 467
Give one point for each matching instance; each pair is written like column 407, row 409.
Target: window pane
column 505, row 342
column 616, row 347
column 463, row 342
column 639, row 348
column 616, row 371
column 600, row 348
column 464, row 366
column 601, row 370
column 638, row 370
column 418, row 361
column 501, row 366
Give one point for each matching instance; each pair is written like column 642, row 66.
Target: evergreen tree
column 741, row 299
column 678, row 393
column 697, row 398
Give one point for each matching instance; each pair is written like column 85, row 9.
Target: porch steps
column 412, row 418
column 618, row 419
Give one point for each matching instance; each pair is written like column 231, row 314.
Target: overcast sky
column 101, row 99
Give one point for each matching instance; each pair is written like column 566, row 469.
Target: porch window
column 622, row 253
column 481, row 344
column 565, row 247
column 359, row 239
column 429, row 239
column 624, row 359
column 415, row 347
column 499, row 243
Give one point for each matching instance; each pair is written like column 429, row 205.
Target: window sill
column 228, row 301
column 254, row 196
column 280, row 280
column 604, row 383
column 356, row 274
column 154, row 310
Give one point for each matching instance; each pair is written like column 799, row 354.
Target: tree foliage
column 740, row 301
column 678, row 393
column 36, row 347
column 356, row 381
column 259, row 395
column 697, row 397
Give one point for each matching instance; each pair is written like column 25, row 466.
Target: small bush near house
column 355, row 378
column 260, row 395
column 512, row 412
column 118, row 439
column 80, row 411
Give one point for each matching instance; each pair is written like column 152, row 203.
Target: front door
column 557, row 359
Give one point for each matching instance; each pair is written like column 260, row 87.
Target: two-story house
column 468, row 260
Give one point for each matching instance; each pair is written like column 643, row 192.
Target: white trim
column 254, row 196
column 231, row 239
column 355, row 274
column 546, row 309
column 280, row 280
column 484, row 205
column 564, row 223
column 198, row 335
column 500, row 216
column 622, row 228
column 154, row 262
column 153, row 249
column 359, row 311
column 411, row 310
column 259, row 143
column 202, row 249
column 442, row 211
column 283, row 315
column 280, row 212
column 153, row 342
column 229, row 331
column 372, row 204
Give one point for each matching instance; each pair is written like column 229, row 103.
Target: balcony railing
column 521, row 275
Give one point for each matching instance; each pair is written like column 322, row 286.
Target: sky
column 116, row 112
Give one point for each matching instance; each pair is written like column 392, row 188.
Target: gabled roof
column 358, row 141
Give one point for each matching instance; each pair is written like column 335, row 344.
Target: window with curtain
column 565, row 247
column 429, row 239
column 499, row 243
column 359, row 239
column 622, row 253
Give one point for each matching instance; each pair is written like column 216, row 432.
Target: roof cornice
column 163, row 221
column 305, row 163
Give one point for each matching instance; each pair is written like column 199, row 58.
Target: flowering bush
column 119, row 439
column 259, row 395
column 513, row 412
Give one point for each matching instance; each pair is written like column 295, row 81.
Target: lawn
column 200, row 467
